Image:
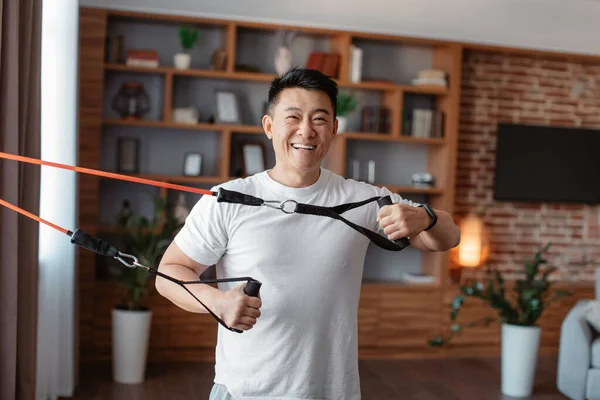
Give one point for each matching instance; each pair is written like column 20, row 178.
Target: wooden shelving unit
column 98, row 126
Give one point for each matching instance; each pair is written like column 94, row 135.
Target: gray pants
column 219, row 392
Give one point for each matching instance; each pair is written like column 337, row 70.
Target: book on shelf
column 376, row 119
column 142, row 58
column 327, row 63
column 425, row 123
column 355, row 64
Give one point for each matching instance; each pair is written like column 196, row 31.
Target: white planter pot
column 182, row 60
column 342, row 124
column 520, row 346
column 130, row 338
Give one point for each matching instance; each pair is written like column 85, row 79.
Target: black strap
column 229, row 196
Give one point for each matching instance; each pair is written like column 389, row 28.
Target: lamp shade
column 474, row 248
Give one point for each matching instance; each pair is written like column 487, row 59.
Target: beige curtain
column 20, row 59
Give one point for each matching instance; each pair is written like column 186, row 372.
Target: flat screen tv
column 547, row 164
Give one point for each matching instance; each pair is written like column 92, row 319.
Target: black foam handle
column 252, row 288
column 94, row 244
column 387, row 201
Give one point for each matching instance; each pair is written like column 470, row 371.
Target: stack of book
column 434, row 77
column 142, row 58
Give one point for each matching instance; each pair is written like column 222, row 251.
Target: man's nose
column 306, row 128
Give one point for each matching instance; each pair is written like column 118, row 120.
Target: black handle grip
column 252, row 288
column 387, row 201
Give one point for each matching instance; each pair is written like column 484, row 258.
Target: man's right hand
column 237, row 309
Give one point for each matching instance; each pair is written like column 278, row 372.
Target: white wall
column 560, row 25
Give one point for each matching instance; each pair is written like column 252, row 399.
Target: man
column 299, row 337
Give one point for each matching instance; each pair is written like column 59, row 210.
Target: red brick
column 499, row 87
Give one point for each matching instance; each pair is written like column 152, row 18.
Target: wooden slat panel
column 92, row 28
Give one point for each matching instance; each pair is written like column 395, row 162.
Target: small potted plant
column 346, row 103
column 518, row 314
column 147, row 239
column 187, row 39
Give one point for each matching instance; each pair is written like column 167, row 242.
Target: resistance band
column 252, row 287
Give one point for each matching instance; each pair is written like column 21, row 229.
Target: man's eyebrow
column 292, row 108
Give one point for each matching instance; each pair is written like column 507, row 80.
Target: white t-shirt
column 304, row 344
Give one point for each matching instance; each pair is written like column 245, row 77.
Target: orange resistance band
column 90, row 172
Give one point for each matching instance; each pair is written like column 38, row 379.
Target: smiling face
column 302, row 126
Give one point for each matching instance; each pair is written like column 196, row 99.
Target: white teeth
column 301, row 146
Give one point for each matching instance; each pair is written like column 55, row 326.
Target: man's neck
column 293, row 178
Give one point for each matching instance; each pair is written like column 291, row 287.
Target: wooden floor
column 429, row 379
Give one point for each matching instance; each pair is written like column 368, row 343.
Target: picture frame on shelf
column 192, row 164
column 253, row 158
column 128, row 151
column 227, row 109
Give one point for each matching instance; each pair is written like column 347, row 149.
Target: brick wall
column 526, row 89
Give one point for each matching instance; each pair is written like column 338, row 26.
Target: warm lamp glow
column 474, row 247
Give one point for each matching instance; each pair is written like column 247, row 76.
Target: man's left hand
column 402, row 220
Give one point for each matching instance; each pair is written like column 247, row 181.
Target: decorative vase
column 283, row 60
column 131, row 102
column 520, row 347
column 182, row 60
column 130, row 336
column 342, row 124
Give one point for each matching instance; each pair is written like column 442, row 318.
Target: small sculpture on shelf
column 131, row 102
column 187, row 38
column 283, row 55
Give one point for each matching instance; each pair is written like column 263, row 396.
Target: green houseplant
column 187, row 39
column 518, row 310
column 346, row 103
column 147, row 239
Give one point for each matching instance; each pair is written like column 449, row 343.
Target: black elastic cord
column 229, row 196
column 376, row 238
column 105, row 248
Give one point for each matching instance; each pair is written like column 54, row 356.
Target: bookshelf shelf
column 386, row 137
column 177, row 125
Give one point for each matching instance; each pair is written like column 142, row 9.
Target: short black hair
column 310, row 79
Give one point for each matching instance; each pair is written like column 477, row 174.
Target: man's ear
column 335, row 127
column 267, row 123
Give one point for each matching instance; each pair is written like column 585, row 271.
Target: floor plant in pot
column 147, row 239
column 518, row 308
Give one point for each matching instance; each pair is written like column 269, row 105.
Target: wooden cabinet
column 389, row 66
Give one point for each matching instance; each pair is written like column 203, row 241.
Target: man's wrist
column 426, row 218
column 431, row 216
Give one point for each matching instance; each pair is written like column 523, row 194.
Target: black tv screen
column 547, row 164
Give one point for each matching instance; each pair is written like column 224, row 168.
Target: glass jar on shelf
column 132, row 101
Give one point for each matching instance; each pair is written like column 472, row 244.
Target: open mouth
column 298, row 146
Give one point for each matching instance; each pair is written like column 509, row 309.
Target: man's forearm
column 444, row 235
column 179, row 296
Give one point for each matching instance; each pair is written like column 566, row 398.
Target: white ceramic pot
column 342, row 124
column 182, row 60
column 130, row 338
column 520, row 347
